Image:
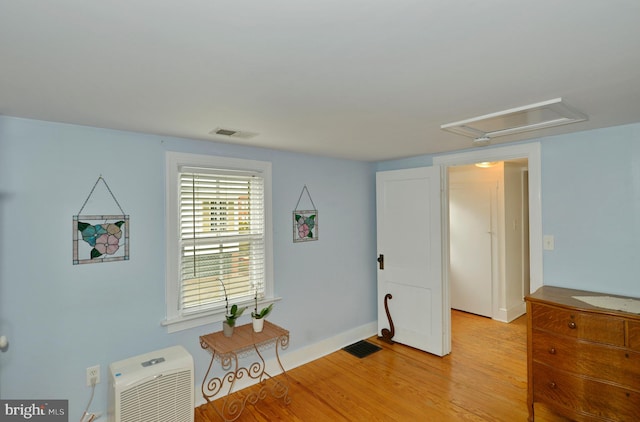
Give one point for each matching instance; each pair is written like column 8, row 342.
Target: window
column 218, row 236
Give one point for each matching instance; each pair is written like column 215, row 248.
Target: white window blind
column 222, row 237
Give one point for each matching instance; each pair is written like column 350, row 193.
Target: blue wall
column 591, row 203
column 61, row 318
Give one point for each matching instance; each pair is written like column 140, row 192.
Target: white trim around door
column 531, row 151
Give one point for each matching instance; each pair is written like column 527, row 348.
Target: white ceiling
column 360, row 79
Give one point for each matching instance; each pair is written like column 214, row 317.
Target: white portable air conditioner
column 153, row 387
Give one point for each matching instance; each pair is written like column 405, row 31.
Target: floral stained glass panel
column 100, row 238
column 305, row 225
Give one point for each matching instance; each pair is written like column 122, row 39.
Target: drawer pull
column 553, row 385
column 552, row 351
column 572, row 325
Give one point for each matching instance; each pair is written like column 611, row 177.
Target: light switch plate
column 548, row 242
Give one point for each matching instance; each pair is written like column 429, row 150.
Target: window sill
column 185, row 322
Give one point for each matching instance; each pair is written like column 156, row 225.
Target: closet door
column 471, row 231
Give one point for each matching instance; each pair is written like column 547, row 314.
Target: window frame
column 175, row 320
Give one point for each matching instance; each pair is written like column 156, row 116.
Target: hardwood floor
column 483, row 379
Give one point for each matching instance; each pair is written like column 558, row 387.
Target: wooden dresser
column 583, row 361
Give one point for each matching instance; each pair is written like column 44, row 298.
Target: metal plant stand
column 228, row 350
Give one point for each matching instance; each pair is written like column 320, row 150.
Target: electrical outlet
column 93, row 372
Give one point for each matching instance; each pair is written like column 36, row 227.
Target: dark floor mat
column 361, row 349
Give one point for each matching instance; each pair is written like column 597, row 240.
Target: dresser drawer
column 634, row 335
column 595, row 360
column 584, row 396
column 601, row 328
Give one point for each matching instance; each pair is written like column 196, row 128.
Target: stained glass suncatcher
column 100, row 238
column 305, row 225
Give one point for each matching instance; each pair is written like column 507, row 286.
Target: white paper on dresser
column 615, row 303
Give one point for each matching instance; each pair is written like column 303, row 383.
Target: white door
column 471, row 206
column 409, row 238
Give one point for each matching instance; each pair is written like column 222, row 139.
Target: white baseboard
column 301, row 356
column 516, row 311
column 508, row 315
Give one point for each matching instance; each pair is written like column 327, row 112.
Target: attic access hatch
column 516, row 120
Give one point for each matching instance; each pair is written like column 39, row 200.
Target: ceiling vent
column 516, row 120
column 232, row 133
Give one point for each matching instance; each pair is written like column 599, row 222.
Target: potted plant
column 258, row 317
column 229, row 315
column 230, row 319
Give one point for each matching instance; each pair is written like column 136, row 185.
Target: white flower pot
column 227, row 329
column 258, row 324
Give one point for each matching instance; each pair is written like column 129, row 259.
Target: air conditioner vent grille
column 158, row 399
column 154, row 387
column 233, row 133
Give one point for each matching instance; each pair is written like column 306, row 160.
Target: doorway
column 488, row 238
column 529, row 151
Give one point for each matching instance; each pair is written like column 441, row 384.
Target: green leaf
column 82, row 226
column 95, row 253
column 264, row 312
column 235, row 312
column 119, row 223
